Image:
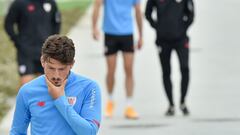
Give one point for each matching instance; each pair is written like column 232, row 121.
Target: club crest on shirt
column 31, row 8
column 72, row 100
column 47, row 7
column 41, row 103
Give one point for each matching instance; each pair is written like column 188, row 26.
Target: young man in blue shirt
column 118, row 30
column 59, row 102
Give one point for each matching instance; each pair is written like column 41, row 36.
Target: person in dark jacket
column 171, row 24
column 28, row 24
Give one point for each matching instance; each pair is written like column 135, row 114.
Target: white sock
column 129, row 101
column 110, row 97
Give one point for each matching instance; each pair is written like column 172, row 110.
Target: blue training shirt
column 118, row 18
column 78, row 112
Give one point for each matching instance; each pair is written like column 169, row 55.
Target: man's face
column 55, row 71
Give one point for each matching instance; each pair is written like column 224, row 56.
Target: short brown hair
column 60, row 48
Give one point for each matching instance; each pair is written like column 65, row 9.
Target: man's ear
column 42, row 61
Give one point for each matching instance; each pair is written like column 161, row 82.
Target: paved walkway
column 214, row 90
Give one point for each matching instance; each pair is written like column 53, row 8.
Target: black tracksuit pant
column 182, row 49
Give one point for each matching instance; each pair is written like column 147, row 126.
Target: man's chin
column 57, row 84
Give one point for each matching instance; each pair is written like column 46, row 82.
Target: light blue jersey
column 78, row 112
column 118, row 19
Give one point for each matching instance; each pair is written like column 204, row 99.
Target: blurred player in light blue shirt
column 118, row 36
column 118, row 18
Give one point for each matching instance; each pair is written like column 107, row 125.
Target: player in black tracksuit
column 173, row 19
column 28, row 23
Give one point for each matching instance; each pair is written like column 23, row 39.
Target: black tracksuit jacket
column 35, row 21
column 173, row 18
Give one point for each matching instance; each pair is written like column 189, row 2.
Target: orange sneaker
column 130, row 113
column 109, row 109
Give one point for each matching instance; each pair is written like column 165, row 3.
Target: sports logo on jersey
column 30, row 8
column 41, row 103
column 72, row 100
column 47, row 7
column 93, row 98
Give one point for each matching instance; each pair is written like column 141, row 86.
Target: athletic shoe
column 130, row 113
column 170, row 111
column 184, row 109
column 109, row 109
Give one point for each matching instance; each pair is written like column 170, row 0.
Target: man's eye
column 51, row 68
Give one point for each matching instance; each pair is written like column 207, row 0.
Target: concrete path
column 214, row 93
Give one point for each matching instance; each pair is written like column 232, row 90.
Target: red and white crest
column 72, row 100
column 47, row 7
column 31, row 8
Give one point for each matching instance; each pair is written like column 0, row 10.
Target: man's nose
column 56, row 74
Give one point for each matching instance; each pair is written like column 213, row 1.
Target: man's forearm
column 79, row 125
column 8, row 25
column 148, row 13
column 139, row 19
column 96, row 11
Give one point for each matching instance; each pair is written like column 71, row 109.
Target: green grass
column 8, row 70
column 72, row 11
column 9, row 78
column 71, row 4
column 1, row 7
